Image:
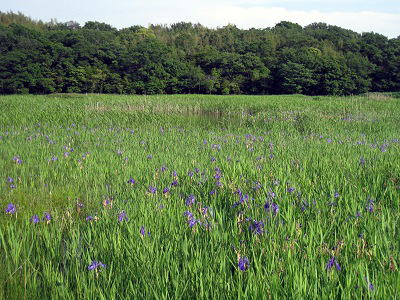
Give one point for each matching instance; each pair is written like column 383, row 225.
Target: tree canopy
column 318, row 59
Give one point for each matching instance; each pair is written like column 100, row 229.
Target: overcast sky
column 382, row 16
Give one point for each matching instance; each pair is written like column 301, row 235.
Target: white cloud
column 266, row 17
column 217, row 14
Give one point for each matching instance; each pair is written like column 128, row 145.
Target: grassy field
column 189, row 196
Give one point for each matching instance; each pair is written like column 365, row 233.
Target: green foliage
column 318, row 59
column 83, row 149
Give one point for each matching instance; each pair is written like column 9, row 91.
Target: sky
column 381, row 16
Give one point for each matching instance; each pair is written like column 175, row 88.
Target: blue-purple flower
column 188, row 214
column 35, row 219
column 333, row 263
column 96, row 265
column 257, row 227
column 122, row 216
column 152, row 189
column 370, row 206
column 47, row 217
column 190, row 200
column 243, row 263
column 271, row 194
column 371, row 286
column 192, row 222
column 143, row 232
column 272, row 207
column 11, row 209
column 17, row 160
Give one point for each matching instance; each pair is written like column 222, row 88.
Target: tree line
column 318, row 59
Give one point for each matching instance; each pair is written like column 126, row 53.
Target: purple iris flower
column 257, row 186
column 47, row 217
column 257, row 227
column 190, row 200
column 89, row 218
column 122, row 216
column 143, row 232
column 188, row 214
column 336, row 195
column 370, row 206
column 17, row 159
column 271, row 207
column 10, row 179
column 371, row 286
column 12, row 186
column 95, row 265
column 165, row 190
column 244, row 199
column 11, row 209
column 131, row 181
column 192, row 222
column 243, row 263
column 35, row 219
column 152, row 189
column 174, row 183
column 271, row 194
column 290, row 190
column 331, row 263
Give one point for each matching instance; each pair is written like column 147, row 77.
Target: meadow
column 196, row 196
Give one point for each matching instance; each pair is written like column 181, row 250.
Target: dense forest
column 318, row 59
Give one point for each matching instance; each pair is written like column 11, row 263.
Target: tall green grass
column 340, row 155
